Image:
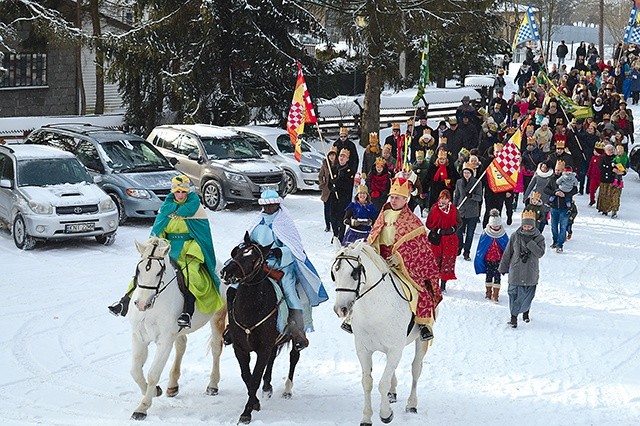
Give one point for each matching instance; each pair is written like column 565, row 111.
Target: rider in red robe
column 399, row 236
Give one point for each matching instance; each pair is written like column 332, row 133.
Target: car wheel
column 22, row 240
column 106, row 239
column 212, row 195
column 122, row 215
column 291, row 186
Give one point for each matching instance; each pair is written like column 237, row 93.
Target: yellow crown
column 560, row 164
column 560, row 144
column 373, row 138
column 345, row 152
column 443, row 140
column 400, row 186
column 442, row 154
column 529, row 214
column 497, row 146
column 599, row 145
column 362, row 189
column 535, row 195
column 395, row 126
column 344, row 131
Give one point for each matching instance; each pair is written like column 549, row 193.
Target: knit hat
column 269, row 196
column 495, row 220
column 529, row 218
column 400, row 186
column 544, row 122
column 180, row 183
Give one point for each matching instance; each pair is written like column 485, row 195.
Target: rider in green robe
column 183, row 221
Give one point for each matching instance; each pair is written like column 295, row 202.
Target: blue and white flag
column 527, row 31
column 632, row 34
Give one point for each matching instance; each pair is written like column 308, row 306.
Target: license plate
column 265, row 187
column 74, row 228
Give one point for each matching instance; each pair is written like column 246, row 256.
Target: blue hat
column 269, row 196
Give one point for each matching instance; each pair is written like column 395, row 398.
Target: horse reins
column 359, row 271
column 163, row 268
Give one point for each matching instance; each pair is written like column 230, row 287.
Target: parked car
column 221, row 163
column 46, row 193
column 132, row 171
column 275, row 145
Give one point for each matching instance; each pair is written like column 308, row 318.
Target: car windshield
column 51, row 171
column 229, row 148
column 286, row 147
column 133, row 156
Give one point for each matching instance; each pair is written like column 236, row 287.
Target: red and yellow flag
column 300, row 113
column 502, row 173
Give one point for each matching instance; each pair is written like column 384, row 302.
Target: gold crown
column 443, row 140
column 362, row 189
column 344, row 131
column 599, row 145
column 400, row 186
column 388, row 147
column 373, row 137
column 442, row 154
column 497, row 146
column 345, row 152
column 560, row 144
column 419, row 153
column 560, row 164
column 395, row 126
column 529, row 214
column 380, row 161
column 535, row 195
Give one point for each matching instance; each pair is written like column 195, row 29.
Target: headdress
column 269, row 196
column 373, row 138
column 529, row 217
column 180, row 183
column 380, row 161
column 400, row 186
column 395, row 126
column 345, row 152
column 560, row 144
column 362, row 189
column 344, row 131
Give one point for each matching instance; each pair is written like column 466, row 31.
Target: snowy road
column 65, row 361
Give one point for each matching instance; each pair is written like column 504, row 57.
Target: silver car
column 275, row 145
column 221, row 163
column 46, row 193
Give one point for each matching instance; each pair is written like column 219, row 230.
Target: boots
column 443, row 286
column 487, row 294
column 296, row 329
column 226, row 335
column 514, row 321
column 496, row 292
column 425, row 332
column 184, row 320
column 525, row 316
column 121, row 307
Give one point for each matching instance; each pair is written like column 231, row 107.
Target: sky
column 64, row 360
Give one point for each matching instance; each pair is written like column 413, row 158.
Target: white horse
column 158, row 302
column 380, row 316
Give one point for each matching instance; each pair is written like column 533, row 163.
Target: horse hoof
column 366, row 424
column 138, row 416
column 171, row 392
column 287, row 395
column 256, row 406
column 393, row 397
column 158, row 391
column 267, row 393
column 245, row 420
column 387, row 419
column 413, row 410
column 212, row 391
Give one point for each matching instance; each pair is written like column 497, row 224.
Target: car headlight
column 138, row 193
column 309, row 169
column 234, row 177
column 107, row 205
column 40, row 208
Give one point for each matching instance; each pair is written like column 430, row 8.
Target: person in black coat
column 559, row 209
column 342, row 186
column 561, row 52
column 344, row 142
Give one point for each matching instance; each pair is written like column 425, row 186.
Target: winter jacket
column 539, row 183
column 552, row 188
column 634, row 75
column 606, row 169
column 521, row 258
column 354, row 161
column 324, row 178
column 562, row 51
column 593, row 172
column 471, row 207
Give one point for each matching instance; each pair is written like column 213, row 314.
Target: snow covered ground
column 65, row 361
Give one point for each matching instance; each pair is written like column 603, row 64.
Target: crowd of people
column 576, row 131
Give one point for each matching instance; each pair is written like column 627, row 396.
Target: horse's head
column 150, row 271
column 246, row 261
column 349, row 272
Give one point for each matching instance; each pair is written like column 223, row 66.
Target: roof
column 202, row 130
column 28, row 152
column 99, row 133
column 261, row 130
column 476, row 80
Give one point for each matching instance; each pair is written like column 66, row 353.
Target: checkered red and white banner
column 300, row 113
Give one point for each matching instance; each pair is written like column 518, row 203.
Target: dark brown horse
column 253, row 312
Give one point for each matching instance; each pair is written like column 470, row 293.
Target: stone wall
column 58, row 97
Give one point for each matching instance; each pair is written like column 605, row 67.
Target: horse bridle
column 357, row 272
column 246, row 277
column 157, row 288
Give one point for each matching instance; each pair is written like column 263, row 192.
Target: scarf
column 441, row 173
column 542, row 174
column 494, row 234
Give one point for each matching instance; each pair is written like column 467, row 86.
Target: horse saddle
column 273, row 273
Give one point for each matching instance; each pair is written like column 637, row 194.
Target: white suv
column 46, row 193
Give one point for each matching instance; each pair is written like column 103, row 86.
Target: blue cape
column 483, row 247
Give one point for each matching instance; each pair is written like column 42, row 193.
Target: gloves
column 393, row 261
column 277, row 253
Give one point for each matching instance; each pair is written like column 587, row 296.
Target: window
column 54, row 171
column 6, row 167
column 258, row 143
column 88, row 155
column 24, row 70
column 188, row 145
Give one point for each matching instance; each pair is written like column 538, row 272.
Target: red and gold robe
column 416, row 261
